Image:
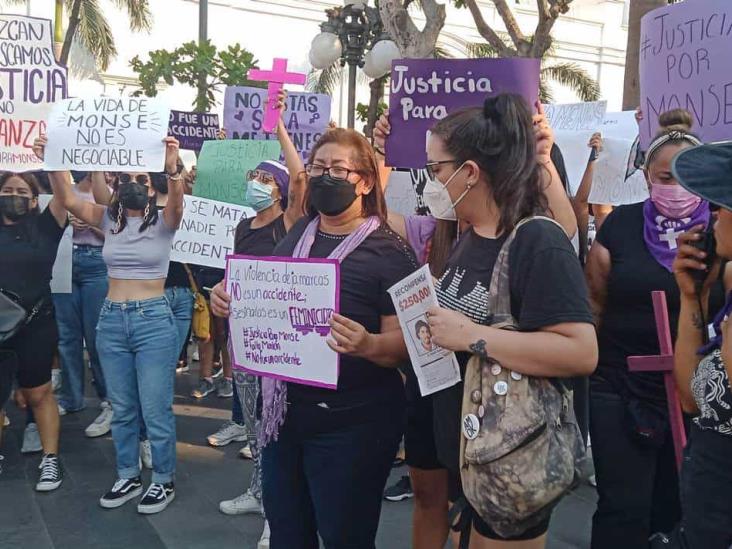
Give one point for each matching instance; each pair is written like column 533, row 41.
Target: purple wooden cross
column 664, row 363
column 276, row 79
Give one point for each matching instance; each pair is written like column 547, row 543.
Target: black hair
column 419, row 325
column 28, row 179
column 499, row 138
column 116, row 212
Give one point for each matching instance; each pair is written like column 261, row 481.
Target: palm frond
column 441, row 52
column 575, row 78
column 545, row 93
column 325, row 80
column 138, row 12
column 94, row 33
column 477, row 50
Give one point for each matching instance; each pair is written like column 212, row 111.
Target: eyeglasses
column 430, row 167
column 262, row 177
column 142, row 179
column 336, row 172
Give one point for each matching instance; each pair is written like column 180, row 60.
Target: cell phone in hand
column 707, row 244
column 594, row 154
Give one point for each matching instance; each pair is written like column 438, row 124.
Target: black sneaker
column 400, row 491
column 123, row 491
column 50, row 477
column 157, row 498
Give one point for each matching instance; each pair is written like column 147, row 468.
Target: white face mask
column 438, row 200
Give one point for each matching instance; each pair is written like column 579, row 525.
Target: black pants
column 638, row 486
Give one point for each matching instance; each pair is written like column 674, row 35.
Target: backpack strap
column 191, row 279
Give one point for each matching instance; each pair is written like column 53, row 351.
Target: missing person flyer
column 436, row 368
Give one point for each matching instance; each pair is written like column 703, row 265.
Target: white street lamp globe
column 369, row 67
column 381, row 56
column 325, row 49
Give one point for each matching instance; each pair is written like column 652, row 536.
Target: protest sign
column 306, row 117
column 424, row 91
column 280, row 312
column 107, row 134
column 401, row 196
column 685, row 63
column 191, row 129
column 30, row 82
column 62, row 267
column 223, row 165
column 436, row 368
column 573, row 126
column 206, row 233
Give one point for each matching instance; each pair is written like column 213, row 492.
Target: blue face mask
column 258, row 195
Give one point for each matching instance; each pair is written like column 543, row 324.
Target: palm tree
column 88, row 26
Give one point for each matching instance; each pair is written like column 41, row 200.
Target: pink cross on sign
column 276, row 79
column 664, row 363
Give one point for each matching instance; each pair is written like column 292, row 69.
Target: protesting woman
column 632, row 446
column 29, row 240
column 137, row 338
column 327, row 454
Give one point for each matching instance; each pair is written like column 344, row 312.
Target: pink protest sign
column 664, row 363
column 685, row 62
column 276, row 78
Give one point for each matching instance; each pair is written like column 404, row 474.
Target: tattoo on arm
column 478, row 348
column 696, row 320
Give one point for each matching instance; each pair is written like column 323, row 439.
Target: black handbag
column 13, row 316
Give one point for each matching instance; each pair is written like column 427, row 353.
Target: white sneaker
column 228, row 432
column 241, row 505
column 146, row 454
column 61, row 410
column 103, row 424
column 195, row 356
column 55, row 379
column 264, row 540
column 31, row 440
column 246, row 452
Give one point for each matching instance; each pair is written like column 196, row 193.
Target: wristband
column 379, row 151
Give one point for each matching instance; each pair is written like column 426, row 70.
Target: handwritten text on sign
column 685, row 63
column 107, row 133
column 280, row 308
column 193, row 128
column 30, row 82
column 306, row 117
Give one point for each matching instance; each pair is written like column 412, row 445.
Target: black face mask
column 159, row 182
column 133, row 195
column 331, row 196
column 14, row 207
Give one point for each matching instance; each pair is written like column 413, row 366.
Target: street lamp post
column 354, row 35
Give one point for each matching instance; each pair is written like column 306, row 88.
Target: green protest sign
column 222, row 167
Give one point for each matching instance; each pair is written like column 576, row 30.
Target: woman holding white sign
column 327, row 453
column 136, row 333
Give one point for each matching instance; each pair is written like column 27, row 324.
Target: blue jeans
column 77, row 315
column 181, row 304
column 138, row 345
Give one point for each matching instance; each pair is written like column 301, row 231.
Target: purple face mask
column 673, row 200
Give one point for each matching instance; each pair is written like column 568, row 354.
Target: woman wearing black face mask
column 326, row 457
column 136, row 333
column 29, row 240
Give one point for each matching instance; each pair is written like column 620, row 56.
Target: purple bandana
column 660, row 232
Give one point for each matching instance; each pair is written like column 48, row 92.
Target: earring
column 146, row 212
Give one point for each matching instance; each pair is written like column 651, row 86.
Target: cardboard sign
column 61, row 281
column 193, row 128
column 306, row 117
column 206, row 233
column 107, row 134
column 280, row 312
column 685, row 63
column 223, row 166
column 424, row 91
column 30, row 82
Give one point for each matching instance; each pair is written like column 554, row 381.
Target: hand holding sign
column 276, row 78
column 348, row 337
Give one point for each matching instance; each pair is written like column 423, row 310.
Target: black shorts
column 32, row 349
column 419, row 438
column 455, row 492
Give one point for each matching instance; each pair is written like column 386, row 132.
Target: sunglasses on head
column 142, row 179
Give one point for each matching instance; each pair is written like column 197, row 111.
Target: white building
column 593, row 35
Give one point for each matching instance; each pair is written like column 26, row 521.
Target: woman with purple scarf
column 326, row 454
column 633, row 254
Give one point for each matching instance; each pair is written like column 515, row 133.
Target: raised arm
column 293, row 161
column 100, row 190
column 173, row 211
column 382, row 129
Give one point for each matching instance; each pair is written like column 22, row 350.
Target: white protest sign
column 400, row 194
column 107, row 134
column 63, row 266
column 30, row 82
column 206, row 233
column 573, row 126
column 436, row 368
column 280, row 312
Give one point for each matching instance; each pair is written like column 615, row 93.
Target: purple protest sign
column 424, row 91
column 193, row 128
column 306, row 118
column 685, row 63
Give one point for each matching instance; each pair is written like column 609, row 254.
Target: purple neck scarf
column 660, row 232
column 716, row 340
column 274, row 391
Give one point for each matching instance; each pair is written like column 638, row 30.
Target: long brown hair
column 364, row 161
column 28, row 179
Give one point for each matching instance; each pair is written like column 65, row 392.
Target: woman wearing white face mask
column 631, row 257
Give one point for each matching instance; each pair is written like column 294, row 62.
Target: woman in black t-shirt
column 326, row 458
column 29, row 241
column 484, row 162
